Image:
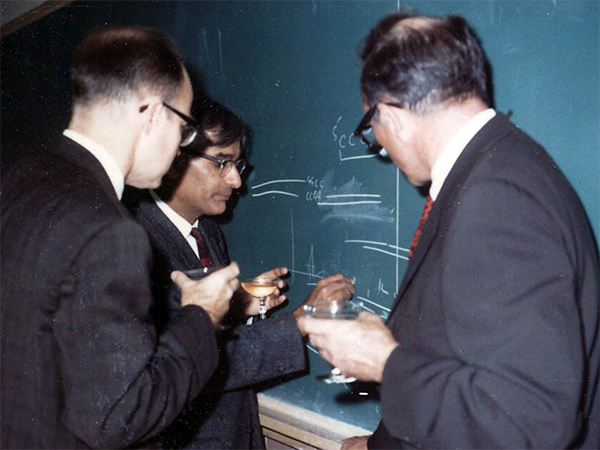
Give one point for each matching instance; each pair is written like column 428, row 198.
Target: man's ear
column 390, row 117
column 151, row 110
column 400, row 121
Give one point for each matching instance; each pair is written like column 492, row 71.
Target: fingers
column 315, row 327
column 179, row 278
column 334, row 287
column 337, row 280
column 318, row 328
column 212, row 293
column 275, row 300
column 231, row 273
column 358, row 348
column 276, row 272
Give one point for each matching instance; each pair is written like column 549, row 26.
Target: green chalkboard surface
column 314, row 201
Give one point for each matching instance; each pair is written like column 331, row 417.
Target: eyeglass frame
column 195, row 126
column 365, row 124
column 190, row 124
column 224, row 163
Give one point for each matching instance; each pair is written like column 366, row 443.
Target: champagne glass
column 337, row 310
column 261, row 288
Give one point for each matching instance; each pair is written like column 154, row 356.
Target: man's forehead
column 231, row 151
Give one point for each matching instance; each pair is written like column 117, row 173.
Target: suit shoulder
column 46, row 181
column 511, row 156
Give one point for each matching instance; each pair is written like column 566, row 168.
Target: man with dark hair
column 82, row 364
column 179, row 220
column 493, row 338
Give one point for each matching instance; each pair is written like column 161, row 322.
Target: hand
column 212, row 293
column 333, row 287
column 250, row 303
column 355, row 443
column 359, row 348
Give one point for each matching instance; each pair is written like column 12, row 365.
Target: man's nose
column 233, row 178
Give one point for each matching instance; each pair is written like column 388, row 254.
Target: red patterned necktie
column 203, row 251
column 417, row 235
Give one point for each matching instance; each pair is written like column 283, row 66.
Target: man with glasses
column 493, row 339
column 82, row 363
column 179, row 220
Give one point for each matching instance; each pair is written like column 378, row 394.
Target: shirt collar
column 180, row 223
column 107, row 162
column 454, row 148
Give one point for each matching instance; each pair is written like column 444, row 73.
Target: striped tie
column 203, row 251
column 417, row 235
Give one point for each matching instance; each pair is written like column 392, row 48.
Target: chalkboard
column 314, row 201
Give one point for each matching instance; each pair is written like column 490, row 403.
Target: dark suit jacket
column 497, row 315
column 225, row 415
column 82, row 365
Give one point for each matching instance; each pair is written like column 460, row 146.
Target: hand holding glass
column 198, row 274
column 338, row 310
column 261, row 288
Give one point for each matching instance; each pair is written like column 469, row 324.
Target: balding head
column 114, row 63
column 423, row 63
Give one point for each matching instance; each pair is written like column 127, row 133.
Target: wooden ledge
column 302, row 429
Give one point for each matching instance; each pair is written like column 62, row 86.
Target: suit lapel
column 477, row 147
column 428, row 234
column 214, row 241
column 166, row 235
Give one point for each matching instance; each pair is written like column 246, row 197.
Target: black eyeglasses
column 364, row 128
column 225, row 165
column 188, row 131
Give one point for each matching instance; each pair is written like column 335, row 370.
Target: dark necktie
column 417, row 235
column 203, row 251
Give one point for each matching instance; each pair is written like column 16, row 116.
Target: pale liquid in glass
column 255, row 289
column 261, row 288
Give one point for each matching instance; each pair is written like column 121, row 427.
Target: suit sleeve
column 121, row 383
column 255, row 353
column 512, row 322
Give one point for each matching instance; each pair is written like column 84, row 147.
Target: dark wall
column 290, row 69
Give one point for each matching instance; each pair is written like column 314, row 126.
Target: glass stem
column 262, row 308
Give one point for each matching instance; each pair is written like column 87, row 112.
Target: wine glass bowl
column 337, row 310
column 261, row 288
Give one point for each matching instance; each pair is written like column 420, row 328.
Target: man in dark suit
column 178, row 219
column 82, row 365
column 493, row 338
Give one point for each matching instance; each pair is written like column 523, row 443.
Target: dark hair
column 422, row 62
column 114, row 62
column 219, row 126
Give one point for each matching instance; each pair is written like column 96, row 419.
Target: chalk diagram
column 346, row 201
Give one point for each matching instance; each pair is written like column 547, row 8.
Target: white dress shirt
column 117, row 179
column 453, row 149
column 184, row 227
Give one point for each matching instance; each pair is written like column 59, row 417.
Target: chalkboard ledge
column 302, row 429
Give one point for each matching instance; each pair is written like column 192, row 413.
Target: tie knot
column 196, row 233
